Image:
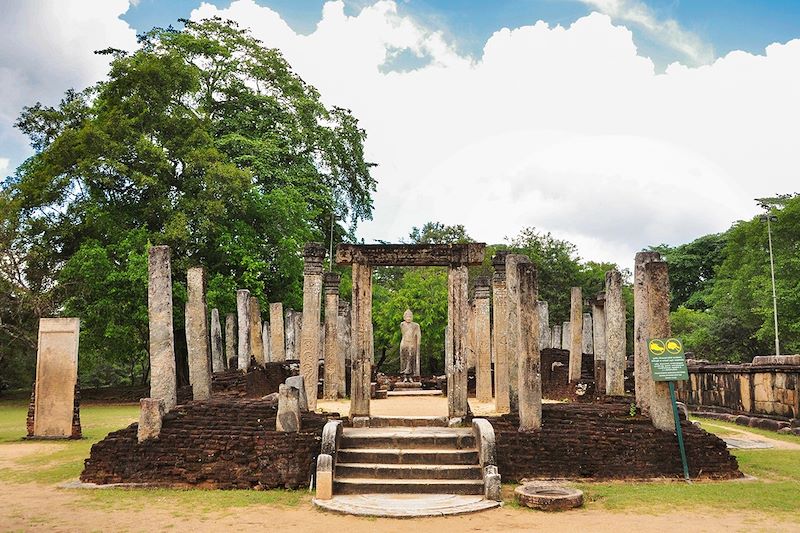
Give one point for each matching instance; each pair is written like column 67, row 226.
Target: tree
column 203, row 140
column 692, row 269
column 738, row 322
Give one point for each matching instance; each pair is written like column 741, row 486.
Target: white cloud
column 566, row 129
column 47, row 47
column 3, row 166
column 666, row 32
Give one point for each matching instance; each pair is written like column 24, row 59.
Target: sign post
column 668, row 363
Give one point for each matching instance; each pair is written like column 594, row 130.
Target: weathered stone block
column 56, row 376
column 288, row 419
column 151, row 413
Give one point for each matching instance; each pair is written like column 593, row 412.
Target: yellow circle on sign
column 674, row 346
column 657, row 347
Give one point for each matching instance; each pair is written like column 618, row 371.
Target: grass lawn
column 777, row 489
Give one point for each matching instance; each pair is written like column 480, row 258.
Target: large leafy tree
column 203, row 140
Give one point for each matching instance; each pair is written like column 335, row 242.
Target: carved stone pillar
column 482, row 341
column 615, row 334
column 330, row 287
column 576, row 334
column 162, row 341
column 500, row 333
column 455, row 341
column 313, row 255
column 361, row 331
column 530, row 379
column 197, row 334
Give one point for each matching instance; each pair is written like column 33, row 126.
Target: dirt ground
column 46, row 507
column 32, row 507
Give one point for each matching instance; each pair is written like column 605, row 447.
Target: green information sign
column 667, row 361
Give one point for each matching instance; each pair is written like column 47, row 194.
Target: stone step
column 406, row 471
column 407, row 421
column 414, row 392
column 409, row 438
column 414, row 456
column 406, row 486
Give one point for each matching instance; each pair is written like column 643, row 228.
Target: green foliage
column 203, row 140
column 735, row 289
column 692, row 269
column 559, row 269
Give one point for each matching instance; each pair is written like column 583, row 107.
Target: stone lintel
column 470, row 254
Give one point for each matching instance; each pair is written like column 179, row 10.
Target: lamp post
column 768, row 218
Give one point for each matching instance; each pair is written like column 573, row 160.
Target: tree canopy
column 201, row 139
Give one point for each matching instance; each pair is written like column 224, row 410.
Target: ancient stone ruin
column 255, row 424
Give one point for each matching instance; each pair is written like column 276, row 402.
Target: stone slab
column 470, row 254
column 406, row 505
column 56, row 375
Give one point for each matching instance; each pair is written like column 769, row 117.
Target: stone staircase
column 413, row 455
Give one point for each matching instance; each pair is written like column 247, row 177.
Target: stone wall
column 76, row 413
column 602, row 441
column 770, row 389
column 223, row 443
column 257, row 382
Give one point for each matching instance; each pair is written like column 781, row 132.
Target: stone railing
column 326, row 460
column 487, row 453
column 770, row 385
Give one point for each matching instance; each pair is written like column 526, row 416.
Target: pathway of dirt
column 776, row 444
column 68, row 510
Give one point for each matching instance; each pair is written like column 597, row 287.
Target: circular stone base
column 405, row 505
column 547, row 497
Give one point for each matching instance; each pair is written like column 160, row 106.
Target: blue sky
column 577, row 125
column 748, row 25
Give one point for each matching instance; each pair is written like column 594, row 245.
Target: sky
column 614, row 124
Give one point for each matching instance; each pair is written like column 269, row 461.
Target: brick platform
column 224, row 443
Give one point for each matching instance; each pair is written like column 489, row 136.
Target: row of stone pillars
column 518, row 327
column 246, row 338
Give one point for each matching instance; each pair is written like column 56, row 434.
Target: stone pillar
column 530, row 379
column 556, row 336
column 330, row 284
column 455, row 342
column 576, row 334
column 265, row 333
column 641, row 364
column 656, row 287
column 344, row 346
column 472, row 349
column 566, row 336
column 500, row 333
column 313, row 254
column 243, row 326
column 615, row 334
column 587, row 343
column 293, row 327
column 544, row 325
column 256, row 341
column 230, row 338
column 162, row 340
column 361, row 330
column 599, row 341
column 483, row 341
column 197, row 334
column 276, row 333
column 512, row 284
column 217, row 355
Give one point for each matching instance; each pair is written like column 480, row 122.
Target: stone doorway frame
column 456, row 257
